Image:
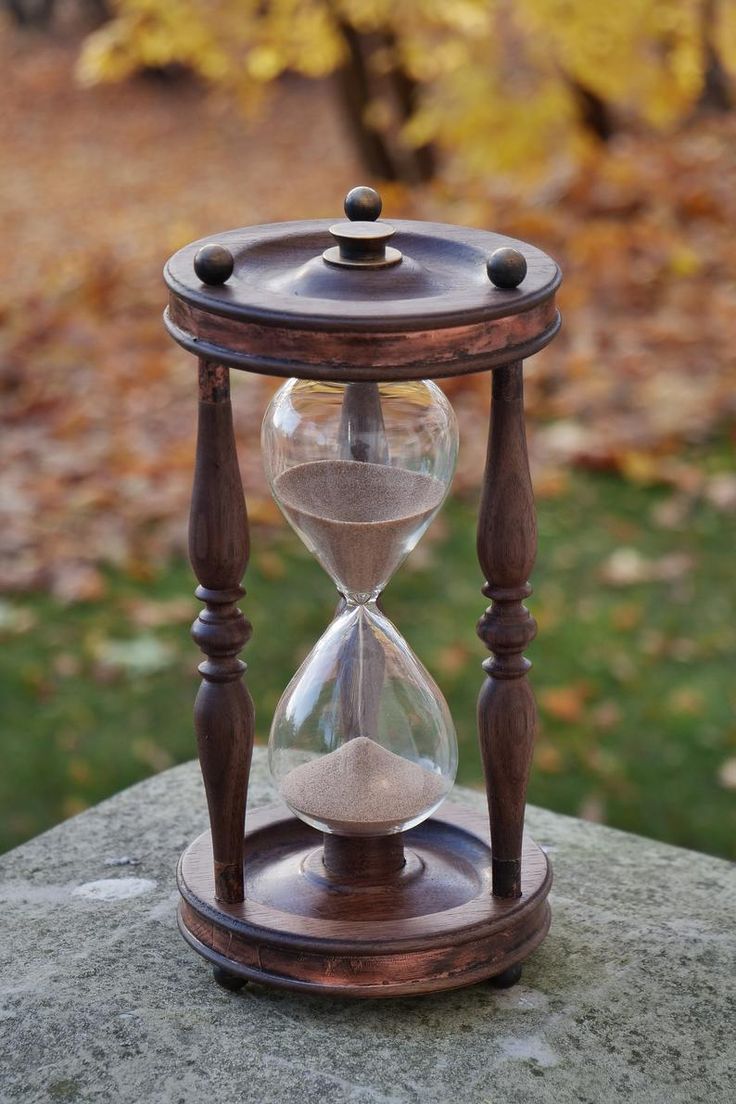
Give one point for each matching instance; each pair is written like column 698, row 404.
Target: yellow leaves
column 724, row 32
column 263, row 510
column 641, row 54
column 639, row 467
column 379, row 114
column 496, row 80
column 264, row 63
column 107, row 55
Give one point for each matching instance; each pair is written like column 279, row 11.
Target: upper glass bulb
column 360, row 470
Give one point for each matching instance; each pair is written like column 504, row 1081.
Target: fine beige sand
column 359, row 518
column 362, row 789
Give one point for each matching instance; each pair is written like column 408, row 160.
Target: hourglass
column 362, row 880
column 362, row 742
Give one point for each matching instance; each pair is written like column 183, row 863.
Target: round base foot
column 508, row 978
column 228, row 981
column 434, row 924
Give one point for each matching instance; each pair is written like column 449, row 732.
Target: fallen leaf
column 606, row 715
column 72, row 805
column 452, row 658
column 148, row 614
column 628, row 567
column 626, row 615
column 79, row 771
column 727, row 774
column 152, row 754
column 66, row 665
column 566, row 703
column 78, row 582
column 145, row 655
column 686, row 700
column 271, row 564
column 720, row 491
column 547, row 758
column 592, row 808
column 15, row 619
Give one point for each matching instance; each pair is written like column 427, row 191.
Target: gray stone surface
column 630, row 998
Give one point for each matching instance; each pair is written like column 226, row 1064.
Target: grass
column 635, row 682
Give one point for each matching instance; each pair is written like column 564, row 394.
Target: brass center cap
column 362, row 245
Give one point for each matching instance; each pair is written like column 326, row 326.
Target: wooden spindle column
column 219, row 551
column 362, row 434
column 507, row 544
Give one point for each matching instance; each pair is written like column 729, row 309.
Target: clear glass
column 362, row 742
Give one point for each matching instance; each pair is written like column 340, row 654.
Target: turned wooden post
column 219, row 550
column 507, row 545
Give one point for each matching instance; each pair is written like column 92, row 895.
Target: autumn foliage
column 498, row 86
column 97, row 403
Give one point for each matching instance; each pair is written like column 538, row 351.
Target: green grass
column 635, row 683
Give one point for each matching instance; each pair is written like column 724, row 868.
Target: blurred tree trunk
column 361, row 83
column 716, row 94
column 593, row 111
column 26, row 14
column 354, row 84
column 421, row 162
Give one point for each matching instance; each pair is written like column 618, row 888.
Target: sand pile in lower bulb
column 362, row 789
column 361, row 519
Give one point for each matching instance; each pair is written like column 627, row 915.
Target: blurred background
column 606, row 134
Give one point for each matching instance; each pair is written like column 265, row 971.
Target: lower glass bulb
column 362, row 742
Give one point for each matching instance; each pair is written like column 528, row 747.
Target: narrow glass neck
column 353, row 600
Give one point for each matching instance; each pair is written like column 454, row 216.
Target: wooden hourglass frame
column 459, row 898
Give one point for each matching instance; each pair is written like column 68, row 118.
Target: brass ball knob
column 214, row 264
column 363, row 204
column 506, row 267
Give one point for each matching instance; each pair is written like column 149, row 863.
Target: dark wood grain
column 219, row 550
column 362, row 438
column 363, row 860
column 281, row 281
column 507, row 543
column 433, row 925
column 286, row 312
column 344, row 356
column 362, row 434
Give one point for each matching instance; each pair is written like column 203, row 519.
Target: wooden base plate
column 435, row 926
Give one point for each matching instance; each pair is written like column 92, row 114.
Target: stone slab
column 631, row 998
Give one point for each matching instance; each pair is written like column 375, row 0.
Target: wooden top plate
column 280, row 279
column 286, row 312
